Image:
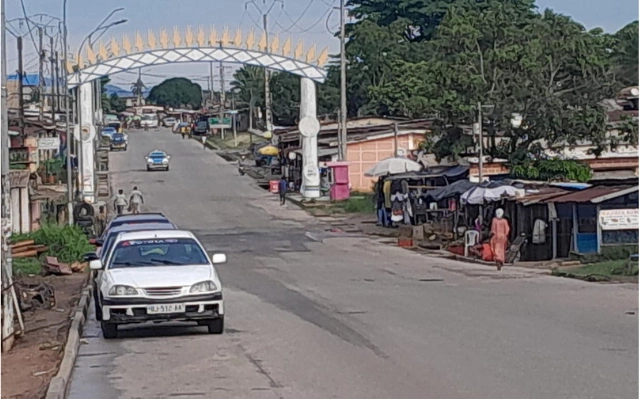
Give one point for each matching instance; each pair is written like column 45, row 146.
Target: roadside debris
column 36, row 296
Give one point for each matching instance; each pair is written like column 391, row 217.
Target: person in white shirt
column 135, row 199
column 120, row 202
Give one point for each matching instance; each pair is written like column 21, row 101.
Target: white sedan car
column 158, row 276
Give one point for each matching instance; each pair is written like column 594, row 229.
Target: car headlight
column 165, row 161
column 122, row 290
column 203, row 286
column 149, row 160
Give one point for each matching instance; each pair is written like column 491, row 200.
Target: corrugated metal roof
column 594, row 194
column 542, row 196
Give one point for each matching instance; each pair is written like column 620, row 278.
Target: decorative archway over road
column 121, row 56
column 161, row 49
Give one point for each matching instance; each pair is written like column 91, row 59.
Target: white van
column 149, row 120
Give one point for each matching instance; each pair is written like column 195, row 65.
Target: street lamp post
column 103, row 28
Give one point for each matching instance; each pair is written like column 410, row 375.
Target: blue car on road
column 157, row 160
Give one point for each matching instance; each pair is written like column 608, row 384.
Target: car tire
column 167, row 169
column 98, row 308
column 148, row 168
column 216, row 326
column 109, row 330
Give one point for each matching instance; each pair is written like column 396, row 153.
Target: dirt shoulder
column 35, row 357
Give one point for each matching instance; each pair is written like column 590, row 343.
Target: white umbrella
column 481, row 195
column 393, row 166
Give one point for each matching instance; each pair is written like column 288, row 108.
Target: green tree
column 104, row 97
column 177, row 92
column 285, row 92
column 545, row 67
column 625, row 54
column 116, row 104
column 137, row 88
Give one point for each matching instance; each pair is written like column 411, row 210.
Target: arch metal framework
column 121, row 56
column 127, row 54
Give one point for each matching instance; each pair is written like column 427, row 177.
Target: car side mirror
column 90, row 256
column 217, row 259
column 95, row 264
column 168, row 156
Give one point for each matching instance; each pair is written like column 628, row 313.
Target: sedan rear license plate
column 168, row 308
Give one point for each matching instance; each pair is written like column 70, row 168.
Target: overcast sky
column 308, row 19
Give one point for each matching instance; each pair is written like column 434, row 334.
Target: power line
column 24, row 11
column 295, row 23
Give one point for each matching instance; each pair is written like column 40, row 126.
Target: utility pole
column 267, row 79
column 5, row 258
column 211, row 85
column 54, row 83
column 343, row 86
column 67, row 106
column 20, row 86
column 41, row 57
column 139, row 99
column 481, row 140
column 222, row 95
column 57, row 77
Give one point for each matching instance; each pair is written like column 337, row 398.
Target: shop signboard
column 618, row 219
column 216, row 121
column 19, row 156
column 48, row 143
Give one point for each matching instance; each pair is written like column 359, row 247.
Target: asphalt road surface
column 313, row 314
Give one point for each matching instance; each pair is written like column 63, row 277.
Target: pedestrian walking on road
column 499, row 236
column 282, row 190
column 135, row 200
column 204, row 142
column 120, row 202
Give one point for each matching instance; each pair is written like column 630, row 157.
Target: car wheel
column 167, row 169
column 216, row 326
column 109, row 330
column 148, row 168
column 97, row 305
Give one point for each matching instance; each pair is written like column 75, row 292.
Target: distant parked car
column 169, row 122
column 119, row 142
column 200, row 128
column 108, row 131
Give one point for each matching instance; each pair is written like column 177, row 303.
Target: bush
column 67, row 243
column 25, row 266
column 609, row 252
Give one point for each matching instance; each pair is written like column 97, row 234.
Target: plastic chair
column 471, row 238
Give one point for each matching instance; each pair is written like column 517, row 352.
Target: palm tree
column 137, row 89
column 249, row 84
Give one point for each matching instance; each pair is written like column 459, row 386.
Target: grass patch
column 601, row 271
column 26, row 266
column 358, row 203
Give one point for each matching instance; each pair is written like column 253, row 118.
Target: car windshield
column 157, row 154
column 202, row 124
column 158, row 252
column 118, row 136
column 111, row 238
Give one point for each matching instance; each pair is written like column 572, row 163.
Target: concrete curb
column 60, row 383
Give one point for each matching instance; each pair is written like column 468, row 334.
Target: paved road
column 316, row 315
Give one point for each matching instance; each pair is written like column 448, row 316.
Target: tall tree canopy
column 177, row 92
column 437, row 59
column 625, row 54
column 285, row 92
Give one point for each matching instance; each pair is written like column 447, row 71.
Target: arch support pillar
column 309, row 128
column 87, row 151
